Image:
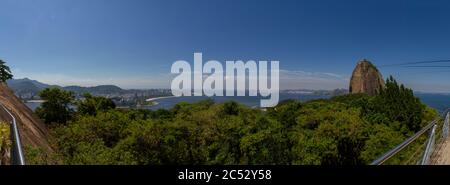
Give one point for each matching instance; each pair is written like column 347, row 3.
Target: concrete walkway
column 442, row 156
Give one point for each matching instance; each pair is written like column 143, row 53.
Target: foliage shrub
column 351, row 129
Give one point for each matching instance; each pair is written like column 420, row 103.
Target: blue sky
column 134, row 43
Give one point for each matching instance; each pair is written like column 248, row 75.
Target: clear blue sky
column 134, row 43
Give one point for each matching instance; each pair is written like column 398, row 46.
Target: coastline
column 158, row 98
column 35, row 101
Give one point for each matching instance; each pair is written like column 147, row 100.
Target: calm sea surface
column 437, row 101
column 251, row 101
column 440, row 102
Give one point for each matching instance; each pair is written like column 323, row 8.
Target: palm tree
column 5, row 72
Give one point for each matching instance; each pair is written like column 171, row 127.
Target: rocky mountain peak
column 366, row 79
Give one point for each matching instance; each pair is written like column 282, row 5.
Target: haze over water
column 438, row 101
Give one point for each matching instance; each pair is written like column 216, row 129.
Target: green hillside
column 345, row 130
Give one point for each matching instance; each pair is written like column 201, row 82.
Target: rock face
column 33, row 132
column 366, row 79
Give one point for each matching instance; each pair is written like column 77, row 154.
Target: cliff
column 366, row 79
column 32, row 130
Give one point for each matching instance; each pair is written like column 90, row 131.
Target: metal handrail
column 402, row 145
column 17, row 157
column 429, row 144
column 430, row 147
column 446, row 126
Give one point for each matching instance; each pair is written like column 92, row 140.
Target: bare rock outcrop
column 366, row 79
column 33, row 131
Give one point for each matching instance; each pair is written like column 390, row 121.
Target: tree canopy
column 5, row 72
column 345, row 130
column 56, row 106
column 93, row 104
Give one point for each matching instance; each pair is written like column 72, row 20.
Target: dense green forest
column 349, row 129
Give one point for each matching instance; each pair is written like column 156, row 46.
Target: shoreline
column 158, row 98
column 34, row 101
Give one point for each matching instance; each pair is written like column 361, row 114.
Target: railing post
column 380, row 160
column 431, row 127
column 430, row 147
column 445, row 127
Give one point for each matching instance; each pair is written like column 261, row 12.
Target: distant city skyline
column 132, row 44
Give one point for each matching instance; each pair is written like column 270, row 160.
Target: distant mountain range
column 28, row 89
column 101, row 89
column 334, row 92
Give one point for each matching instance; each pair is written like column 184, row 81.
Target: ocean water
column 33, row 105
column 438, row 101
column 251, row 101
